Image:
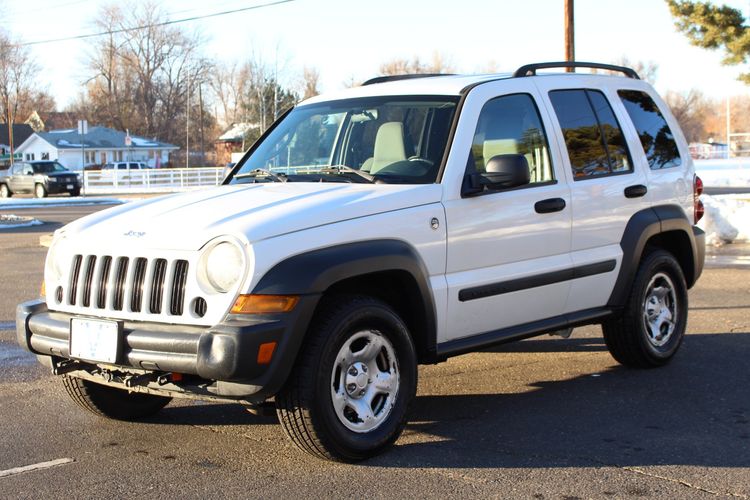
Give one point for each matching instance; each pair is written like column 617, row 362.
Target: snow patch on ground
column 727, row 219
column 16, row 203
column 729, row 172
column 15, row 221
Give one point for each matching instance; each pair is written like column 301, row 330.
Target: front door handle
column 549, row 206
column 636, row 191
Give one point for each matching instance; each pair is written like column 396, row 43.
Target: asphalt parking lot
column 543, row 418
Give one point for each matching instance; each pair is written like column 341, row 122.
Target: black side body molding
column 492, row 289
column 647, row 224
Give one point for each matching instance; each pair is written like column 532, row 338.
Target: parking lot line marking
column 33, row 467
column 7, row 325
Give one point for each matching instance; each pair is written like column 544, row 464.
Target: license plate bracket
column 95, row 340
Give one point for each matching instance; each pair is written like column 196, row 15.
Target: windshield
column 48, row 168
column 385, row 139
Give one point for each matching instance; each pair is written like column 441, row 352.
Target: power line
column 164, row 23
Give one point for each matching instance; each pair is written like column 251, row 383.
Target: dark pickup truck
column 38, row 177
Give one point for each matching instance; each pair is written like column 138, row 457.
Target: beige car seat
column 389, row 147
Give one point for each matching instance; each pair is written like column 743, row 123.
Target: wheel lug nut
column 351, row 387
column 353, row 371
column 362, row 392
column 364, row 368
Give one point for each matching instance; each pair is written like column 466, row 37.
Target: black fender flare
column 641, row 227
column 310, row 274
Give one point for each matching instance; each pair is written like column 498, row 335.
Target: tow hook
column 144, row 379
column 67, row 366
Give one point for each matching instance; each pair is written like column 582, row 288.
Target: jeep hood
column 251, row 211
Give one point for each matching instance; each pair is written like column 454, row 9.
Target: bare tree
column 17, row 82
column 401, row 66
column 692, row 110
column 310, row 78
column 647, row 70
column 146, row 77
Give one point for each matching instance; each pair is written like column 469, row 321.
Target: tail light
column 698, row 209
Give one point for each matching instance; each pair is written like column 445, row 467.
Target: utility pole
column 729, row 129
column 187, row 125
column 570, row 45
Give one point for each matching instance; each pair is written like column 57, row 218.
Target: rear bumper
column 225, row 354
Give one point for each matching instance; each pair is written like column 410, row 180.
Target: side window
column 18, row 168
column 595, row 142
column 511, row 125
column 27, row 170
column 656, row 137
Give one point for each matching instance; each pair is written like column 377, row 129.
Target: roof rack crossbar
column 394, row 78
column 530, row 69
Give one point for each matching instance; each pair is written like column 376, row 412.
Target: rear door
column 607, row 186
column 508, row 250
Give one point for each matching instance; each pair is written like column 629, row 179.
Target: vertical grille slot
column 119, row 291
column 101, row 300
column 157, row 285
column 74, row 279
column 140, row 274
column 88, row 278
column 177, row 299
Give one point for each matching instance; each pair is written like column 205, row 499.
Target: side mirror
column 502, row 172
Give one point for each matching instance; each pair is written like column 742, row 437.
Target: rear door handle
column 549, row 206
column 636, row 191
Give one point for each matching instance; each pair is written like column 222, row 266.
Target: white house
column 99, row 146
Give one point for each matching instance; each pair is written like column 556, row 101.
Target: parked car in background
column 39, row 177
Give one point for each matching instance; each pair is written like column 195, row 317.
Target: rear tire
column 348, row 394
column 111, row 402
column 75, row 192
column 652, row 325
column 5, row 191
column 40, row 191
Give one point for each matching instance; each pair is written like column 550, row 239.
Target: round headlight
column 224, row 266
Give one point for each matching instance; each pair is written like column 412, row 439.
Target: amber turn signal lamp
column 43, row 291
column 265, row 352
column 264, row 304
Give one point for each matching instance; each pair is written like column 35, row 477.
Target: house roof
column 99, row 138
column 21, row 132
column 236, row 132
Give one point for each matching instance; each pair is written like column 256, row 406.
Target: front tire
column 112, row 402
column 652, row 325
column 40, row 191
column 347, row 397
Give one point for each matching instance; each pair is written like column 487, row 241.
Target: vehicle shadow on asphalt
column 693, row 411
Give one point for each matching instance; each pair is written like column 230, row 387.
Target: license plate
column 94, row 340
column 70, row 186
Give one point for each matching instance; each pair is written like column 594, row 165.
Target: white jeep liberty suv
column 401, row 222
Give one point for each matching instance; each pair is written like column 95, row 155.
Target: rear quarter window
column 653, row 131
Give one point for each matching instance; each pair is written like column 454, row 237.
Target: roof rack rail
column 395, row 78
column 530, row 69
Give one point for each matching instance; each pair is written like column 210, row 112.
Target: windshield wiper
column 261, row 172
column 340, row 169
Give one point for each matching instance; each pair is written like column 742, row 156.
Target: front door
column 508, row 250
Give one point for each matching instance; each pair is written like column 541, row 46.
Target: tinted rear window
column 656, row 137
column 595, row 142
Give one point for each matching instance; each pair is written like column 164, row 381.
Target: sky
column 349, row 39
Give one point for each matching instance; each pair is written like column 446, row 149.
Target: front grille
column 102, row 282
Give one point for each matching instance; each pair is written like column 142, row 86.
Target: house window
column 45, row 156
column 30, row 157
